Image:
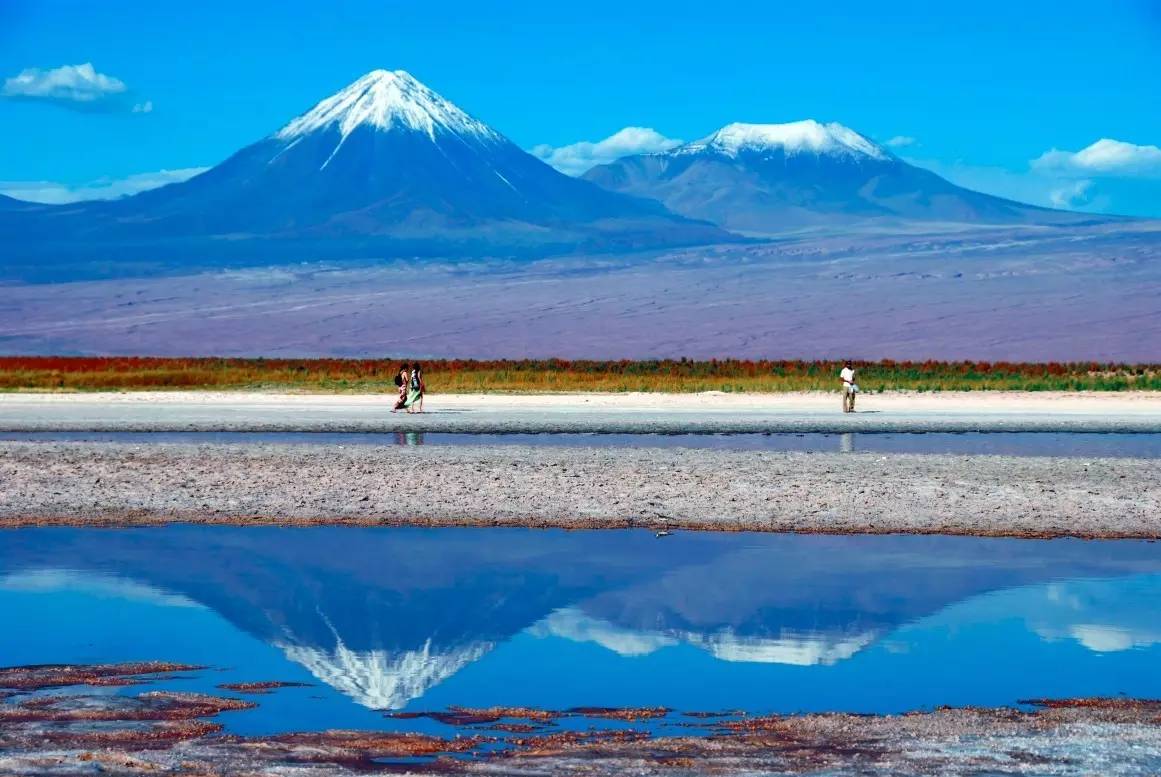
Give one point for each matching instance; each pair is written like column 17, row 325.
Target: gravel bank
column 112, row 483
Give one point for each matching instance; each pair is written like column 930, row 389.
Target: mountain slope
column 385, row 166
column 11, row 203
column 764, row 178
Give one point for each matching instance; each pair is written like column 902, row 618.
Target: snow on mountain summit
column 767, row 179
column 386, row 99
column 808, row 136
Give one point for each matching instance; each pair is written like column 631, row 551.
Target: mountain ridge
column 771, row 178
column 386, row 168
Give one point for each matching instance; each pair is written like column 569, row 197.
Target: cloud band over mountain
column 577, row 158
column 55, row 192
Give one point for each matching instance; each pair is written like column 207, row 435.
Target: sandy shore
column 706, row 412
column 114, row 483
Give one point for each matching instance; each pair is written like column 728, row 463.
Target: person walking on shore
column 416, row 389
column 403, row 381
column 850, row 388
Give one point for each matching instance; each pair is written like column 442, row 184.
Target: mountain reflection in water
column 386, row 616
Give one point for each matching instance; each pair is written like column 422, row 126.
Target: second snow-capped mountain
column 769, row 178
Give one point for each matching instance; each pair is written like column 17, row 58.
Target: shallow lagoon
column 1087, row 444
column 419, row 619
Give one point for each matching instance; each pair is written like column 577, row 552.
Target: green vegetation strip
column 51, row 373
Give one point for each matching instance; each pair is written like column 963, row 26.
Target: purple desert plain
column 1012, row 293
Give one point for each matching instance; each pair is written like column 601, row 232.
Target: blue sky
column 982, row 90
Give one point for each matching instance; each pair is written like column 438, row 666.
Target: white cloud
column 577, row 626
column 1105, row 616
column 901, row 141
column 58, row 580
column 1109, row 176
column 102, row 189
column 1071, row 195
column 579, row 157
column 75, row 86
column 1033, row 186
column 1021, row 186
column 1105, row 157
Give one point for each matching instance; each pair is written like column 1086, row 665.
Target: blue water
column 1088, row 444
column 415, row 619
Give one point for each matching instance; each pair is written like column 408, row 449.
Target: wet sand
column 658, row 413
column 164, row 732
column 79, row 483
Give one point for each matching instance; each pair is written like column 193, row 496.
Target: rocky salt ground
column 80, row 483
column 75, row 731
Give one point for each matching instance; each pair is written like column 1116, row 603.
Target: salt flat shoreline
column 710, row 412
column 118, row 484
column 91, row 483
column 89, row 730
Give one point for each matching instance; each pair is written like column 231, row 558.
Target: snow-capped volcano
column 796, row 137
column 382, row 679
column 387, row 156
column 385, row 99
column 769, row 178
column 385, row 167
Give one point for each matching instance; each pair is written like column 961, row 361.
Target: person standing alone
column 850, row 388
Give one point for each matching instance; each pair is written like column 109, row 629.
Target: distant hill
column 768, row 178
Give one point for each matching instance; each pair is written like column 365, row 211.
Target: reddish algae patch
column 261, row 687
